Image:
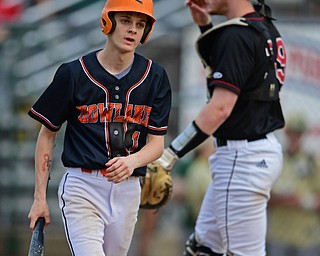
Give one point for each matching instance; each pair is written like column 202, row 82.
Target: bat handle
column 36, row 247
column 41, row 221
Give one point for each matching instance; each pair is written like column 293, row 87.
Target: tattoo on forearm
column 46, row 165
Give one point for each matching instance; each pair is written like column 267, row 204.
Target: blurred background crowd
column 37, row 36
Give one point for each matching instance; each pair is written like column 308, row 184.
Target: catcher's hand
column 168, row 159
column 156, row 187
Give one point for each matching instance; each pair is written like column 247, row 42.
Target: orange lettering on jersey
column 93, row 114
column 135, row 140
column 118, row 117
column 137, row 115
column 105, row 113
column 146, row 116
column 83, row 116
column 129, row 113
column 112, row 113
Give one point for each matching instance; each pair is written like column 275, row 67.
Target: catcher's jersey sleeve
column 106, row 116
column 242, row 69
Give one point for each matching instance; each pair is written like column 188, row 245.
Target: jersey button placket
column 116, row 92
column 117, row 88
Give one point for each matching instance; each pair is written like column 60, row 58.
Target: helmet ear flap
column 103, row 25
column 261, row 7
column 113, row 22
column 108, row 23
column 147, row 31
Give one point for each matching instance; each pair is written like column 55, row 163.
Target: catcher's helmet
column 140, row 6
column 263, row 8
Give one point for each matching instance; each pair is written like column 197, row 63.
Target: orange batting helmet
column 141, row 6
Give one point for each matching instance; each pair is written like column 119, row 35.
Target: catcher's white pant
column 99, row 216
column 233, row 213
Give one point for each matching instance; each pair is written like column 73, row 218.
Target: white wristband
column 168, row 159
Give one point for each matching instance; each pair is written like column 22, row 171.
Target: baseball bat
column 36, row 247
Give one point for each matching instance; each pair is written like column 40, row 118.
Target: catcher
column 244, row 59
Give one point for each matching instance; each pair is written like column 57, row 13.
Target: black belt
column 222, row 142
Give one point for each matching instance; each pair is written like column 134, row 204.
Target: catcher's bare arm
column 211, row 116
column 43, row 159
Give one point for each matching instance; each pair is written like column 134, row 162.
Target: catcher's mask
column 108, row 23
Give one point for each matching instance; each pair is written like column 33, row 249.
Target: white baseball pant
column 233, row 217
column 99, row 216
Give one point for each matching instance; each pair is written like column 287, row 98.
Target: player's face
column 129, row 30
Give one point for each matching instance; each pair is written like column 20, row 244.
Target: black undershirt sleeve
column 189, row 139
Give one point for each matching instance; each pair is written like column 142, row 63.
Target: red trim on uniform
column 228, row 84
column 256, row 18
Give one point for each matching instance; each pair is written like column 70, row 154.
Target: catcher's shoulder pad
column 204, row 39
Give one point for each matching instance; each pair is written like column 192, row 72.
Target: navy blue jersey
column 106, row 116
column 238, row 57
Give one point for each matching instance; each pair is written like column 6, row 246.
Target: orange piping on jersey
column 158, row 128
column 86, row 71
column 131, row 89
column 45, row 119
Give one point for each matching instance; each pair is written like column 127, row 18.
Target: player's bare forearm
column 218, row 109
column 210, row 117
column 151, row 151
column 120, row 168
column 43, row 159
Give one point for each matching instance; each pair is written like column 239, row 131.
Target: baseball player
column 116, row 105
column 244, row 60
